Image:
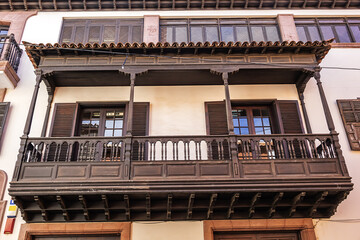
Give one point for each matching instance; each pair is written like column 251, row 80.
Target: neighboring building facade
column 166, row 140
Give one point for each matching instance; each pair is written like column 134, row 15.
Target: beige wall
column 176, row 110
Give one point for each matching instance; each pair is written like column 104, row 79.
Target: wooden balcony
column 179, row 177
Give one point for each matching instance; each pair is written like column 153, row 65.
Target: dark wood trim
column 303, row 225
column 306, row 117
column 27, row 231
column 47, row 115
column 298, row 111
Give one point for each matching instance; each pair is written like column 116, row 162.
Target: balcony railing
column 180, row 148
column 10, row 50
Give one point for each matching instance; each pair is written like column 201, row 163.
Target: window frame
column 102, row 23
column 350, row 126
column 219, row 23
column 317, row 23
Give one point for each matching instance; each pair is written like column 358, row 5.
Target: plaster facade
column 181, row 110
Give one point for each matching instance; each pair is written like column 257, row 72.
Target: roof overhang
column 106, row 5
column 178, row 64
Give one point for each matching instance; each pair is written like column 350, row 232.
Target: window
column 251, row 120
column 102, row 30
column 256, row 235
column 350, row 114
column 4, row 108
column 202, row 30
column 102, row 122
column 344, row 30
column 3, row 36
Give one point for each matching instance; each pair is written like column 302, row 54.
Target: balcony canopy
column 186, row 63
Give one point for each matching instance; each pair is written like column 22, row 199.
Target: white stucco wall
column 184, row 109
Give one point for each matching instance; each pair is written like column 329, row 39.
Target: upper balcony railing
column 10, row 50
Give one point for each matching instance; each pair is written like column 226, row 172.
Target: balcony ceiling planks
column 91, row 5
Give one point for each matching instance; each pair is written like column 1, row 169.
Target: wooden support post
column 225, row 77
column 47, row 114
column 306, row 118
column 106, row 206
column 30, row 115
column 83, row 202
column 319, row 198
column 326, row 108
column 128, row 140
column 63, row 207
column 148, row 207
column 337, row 200
column 40, row 203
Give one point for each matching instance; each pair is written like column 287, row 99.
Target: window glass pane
column 136, row 34
column 353, row 20
column 109, row 123
column 243, row 122
column 203, row 21
column 79, row 34
column 301, row 33
column 260, row 21
column 298, row 21
column 227, row 34
column 235, row 122
column 259, row 130
column 108, row 133
column 66, row 35
column 109, row 34
column 257, row 121
column 124, row 34
column 343, row 34
column 327, row 32
column 244, row 131
column 233, row 21
column 119, row 123
column 94, row 34
column 196, row 34
column 314, row 33
column 272, row 33
column 267, row 130
column 117, row 133
column 237, row 131
column 181, row 34
column 242, row 34
column 266, row 121
column 356, row 32
column 257, row 34
column 166, row 34
column 211, row 34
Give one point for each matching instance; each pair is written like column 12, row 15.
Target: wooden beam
column 114, row 4
column 106, row 206
column 348, row 4
column 99, row 4
column 129, row 4
column 274, row 203
column 290, row 3
column 188, row 4
column 319, row 4
column 255, row 198
column 190, row 205
column 246, row 3
column 55, row 5
column 217, row 4
column 148, row 206
column 61, row 202
column 40, row 203
column 40, row 5
column 275, row 4
column 159, row 4
column 261, row 3
column 337, row 200
column 25, row 5
column 169, row 206
column 233, row 200
column 83, row 202
column 173, row 4
column 231, row 4
column 69, row 3
column 304, row 4
column 333, row 4
column 202, row 4
column 84, row 4
column 298, row 198
column 319, row 198
column 127, row 207
column 211, row 205
column 144, row 4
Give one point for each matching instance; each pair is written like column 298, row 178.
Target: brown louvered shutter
column 350, row 114
column 4, row 108
column 63, row 120
column 216, row 118
column 217, row 125
column 290, row 116
column 140, row 128
column 140, row 119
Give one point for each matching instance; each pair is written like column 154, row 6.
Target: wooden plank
column 127, row 207
column 40, row 5
column 106, row 206
column 83, row 202
column 61, row 202
column 148, row 206
column 11, row 5
column 319, row 198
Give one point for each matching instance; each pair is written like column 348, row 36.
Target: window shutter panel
column 216, row 118
column 4, row 108
column 140, row 119
column 290, row 116
column 63, row 119
column 350, row 114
